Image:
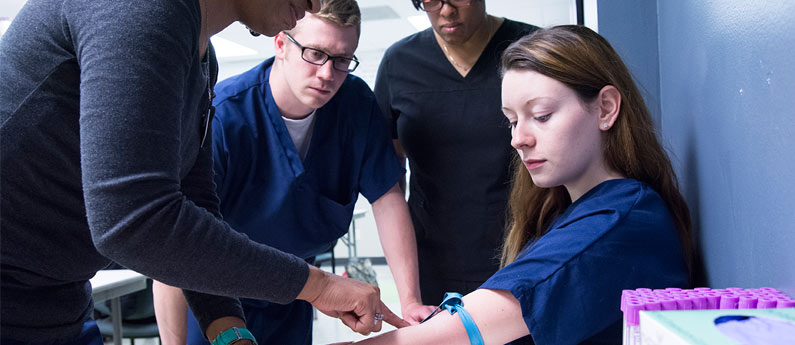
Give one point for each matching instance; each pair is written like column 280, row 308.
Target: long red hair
column 585, row 61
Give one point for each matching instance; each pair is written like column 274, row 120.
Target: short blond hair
column 344, row 13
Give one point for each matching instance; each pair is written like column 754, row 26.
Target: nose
column 447, row 9
column 522, row 136
column 326, row 70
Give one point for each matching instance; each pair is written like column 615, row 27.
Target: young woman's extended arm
column 496, row 312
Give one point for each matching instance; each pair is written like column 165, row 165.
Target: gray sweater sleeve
column 149, row 196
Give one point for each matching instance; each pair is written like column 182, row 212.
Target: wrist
column 410, row 303
column 409, row 298
column 222, row 324
column 234, row 335
column 314, row 285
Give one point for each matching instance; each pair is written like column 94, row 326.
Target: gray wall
column 721, row 77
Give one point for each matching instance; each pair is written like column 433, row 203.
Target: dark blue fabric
column 458, row 147
column 270, row 324
column 260, row 176
column 89, row 335
column 617, row 236
column 261, row 179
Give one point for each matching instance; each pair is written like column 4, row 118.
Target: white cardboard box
column 718, row 327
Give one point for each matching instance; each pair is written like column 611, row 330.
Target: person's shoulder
column 613, row 197
column 626, row 199
column 355, row 83
column 517, row 29
column 410, row 43
column 618, row 193
column 148, row 15
column 234, row 86
column 354, row 92
column 509, row 32
column 630, row 191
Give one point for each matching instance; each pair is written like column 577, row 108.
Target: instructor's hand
column 356, row 303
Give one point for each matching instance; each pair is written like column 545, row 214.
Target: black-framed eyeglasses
column 435, row 5
column 319, row 57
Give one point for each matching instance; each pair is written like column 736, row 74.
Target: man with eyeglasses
column 440, row 90
column 295, row 140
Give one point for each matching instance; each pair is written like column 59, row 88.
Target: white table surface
column 108, row 284
column 111, row 285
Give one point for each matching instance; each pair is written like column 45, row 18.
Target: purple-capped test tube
column 662, row 294
column 747, row 302
column 699, row 301
column 769, row 289
column 652, row 305
column 626, row 294
column 713, row 299
column 786, row 303
column 729, row 301
column 767, row 302
column 632, row 312
column 626, row 299
column 683, row 303
column 667, row 303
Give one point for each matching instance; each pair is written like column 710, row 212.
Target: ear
column 609, row 101
column 279, row 45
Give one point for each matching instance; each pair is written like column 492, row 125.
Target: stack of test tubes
column 633, row 301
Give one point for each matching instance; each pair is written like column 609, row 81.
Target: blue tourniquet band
column 232, row 335
column 454, row 304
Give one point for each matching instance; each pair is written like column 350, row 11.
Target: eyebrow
column 326, row 50
column 535, row 99
column 530, row 101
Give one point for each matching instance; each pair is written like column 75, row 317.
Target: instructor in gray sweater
column 104, row 106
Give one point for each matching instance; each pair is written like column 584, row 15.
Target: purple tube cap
column 766, row 303
column 684, row 304
column 784, row 303
column 632, row 314
column 699, row 302
column 713, row 300
column 729, row 301
column 667, row 303
column 747, row 302
column 652, row 305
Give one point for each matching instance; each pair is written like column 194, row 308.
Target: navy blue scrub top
column 619, row 235
column 268, row 193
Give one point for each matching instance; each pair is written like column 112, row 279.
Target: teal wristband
column 232, row 335
column 454, row 304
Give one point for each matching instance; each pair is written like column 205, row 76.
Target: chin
column 315, row 102
column 541, row 182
